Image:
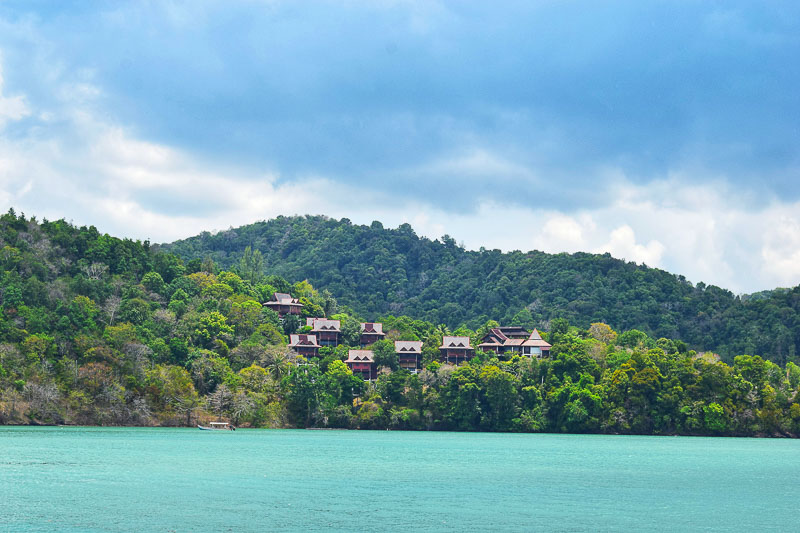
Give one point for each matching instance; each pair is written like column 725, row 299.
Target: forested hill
column 378, row 271
column 99, row 330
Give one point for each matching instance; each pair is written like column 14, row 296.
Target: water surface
column 153, row 479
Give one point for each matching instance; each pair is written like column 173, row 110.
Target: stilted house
column 504, row 340
column 535, row 346
column 514, row 341
column 284, row 304
column 371, row 332
column 409, row 354
column 456, row 350
column 327, row 331
column 305, row 345
column 362, row 363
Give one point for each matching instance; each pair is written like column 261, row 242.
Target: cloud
column 622, row 244
column 11, row 107
column 398, row 90
column 781, row 249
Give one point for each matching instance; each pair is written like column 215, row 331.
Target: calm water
column 124, row 479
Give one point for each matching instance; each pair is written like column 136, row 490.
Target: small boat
column 217, row 426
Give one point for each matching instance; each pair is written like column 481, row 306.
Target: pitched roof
column 309, row 341
column 323, row 324
column 536, row 340
column 372, row 327
column 281, row 298
column 360, row 356
column 455, row 342
column 412, row 347
column 517, row 332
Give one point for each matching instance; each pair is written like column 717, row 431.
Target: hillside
column 377, row 271
column 98, row 330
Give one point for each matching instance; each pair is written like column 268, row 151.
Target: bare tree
column 111, row 307
column 242, row 406
column 221, row 400
column 95, row 271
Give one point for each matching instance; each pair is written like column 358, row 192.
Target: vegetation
column 100, row 330
column 376, row 271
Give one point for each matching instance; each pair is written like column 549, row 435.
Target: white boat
column 217, row 426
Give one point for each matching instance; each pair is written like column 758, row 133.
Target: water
column 152, row 479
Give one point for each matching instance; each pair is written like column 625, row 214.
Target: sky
column 665, row 133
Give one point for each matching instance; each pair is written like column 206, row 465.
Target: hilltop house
column 284, row 304
column 409, row 353
column 514, row 341
column 362, row 363
column 371, row 332
column 327, row 331
column 305, row 345
column 456, row 349
column 504, row 340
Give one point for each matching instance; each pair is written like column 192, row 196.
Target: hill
column 98, row 330
column 377, row 271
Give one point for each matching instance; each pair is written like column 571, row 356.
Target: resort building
column 535, row 346
column 514, row 341
column 284, row 304
column 327, row 331
column 371, row 332
column 456, row 350
column 409, row 354
column 305, row 345
column 361, row 362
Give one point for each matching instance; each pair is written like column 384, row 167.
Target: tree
column 384, row 355
column 251, row 265
column 603, row 332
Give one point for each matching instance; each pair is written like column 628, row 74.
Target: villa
column 409, row 353
column 326, row 331
column 371, row 332
column 305, row 345
column 456, row 350
column 284, row 304
column 362, row 362
column 514, row 341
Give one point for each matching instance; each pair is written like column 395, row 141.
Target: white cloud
column 561, row 233
column 781, row 249
column 622, row 244
column 11, row 107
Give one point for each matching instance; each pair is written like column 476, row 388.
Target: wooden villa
column 456, row 350
column 305, row 345
column 371, row 332
column 326, row 331
column 514, row 341
column 361, row 362
column 284, row 304
column 409, row 354
column 504, row 340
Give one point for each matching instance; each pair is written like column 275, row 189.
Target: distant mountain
column 378, row 271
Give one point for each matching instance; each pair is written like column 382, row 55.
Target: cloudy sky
column 666, row 133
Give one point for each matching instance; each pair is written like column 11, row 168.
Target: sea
column 180, row 479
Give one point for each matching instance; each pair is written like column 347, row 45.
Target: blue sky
column 663, row 132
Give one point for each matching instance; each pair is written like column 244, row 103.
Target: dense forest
column 376, row 271
column 100, row 330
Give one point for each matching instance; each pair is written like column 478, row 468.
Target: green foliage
column 98, row 330
column 384, row 354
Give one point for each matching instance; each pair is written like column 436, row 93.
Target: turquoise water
column 152, row 479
